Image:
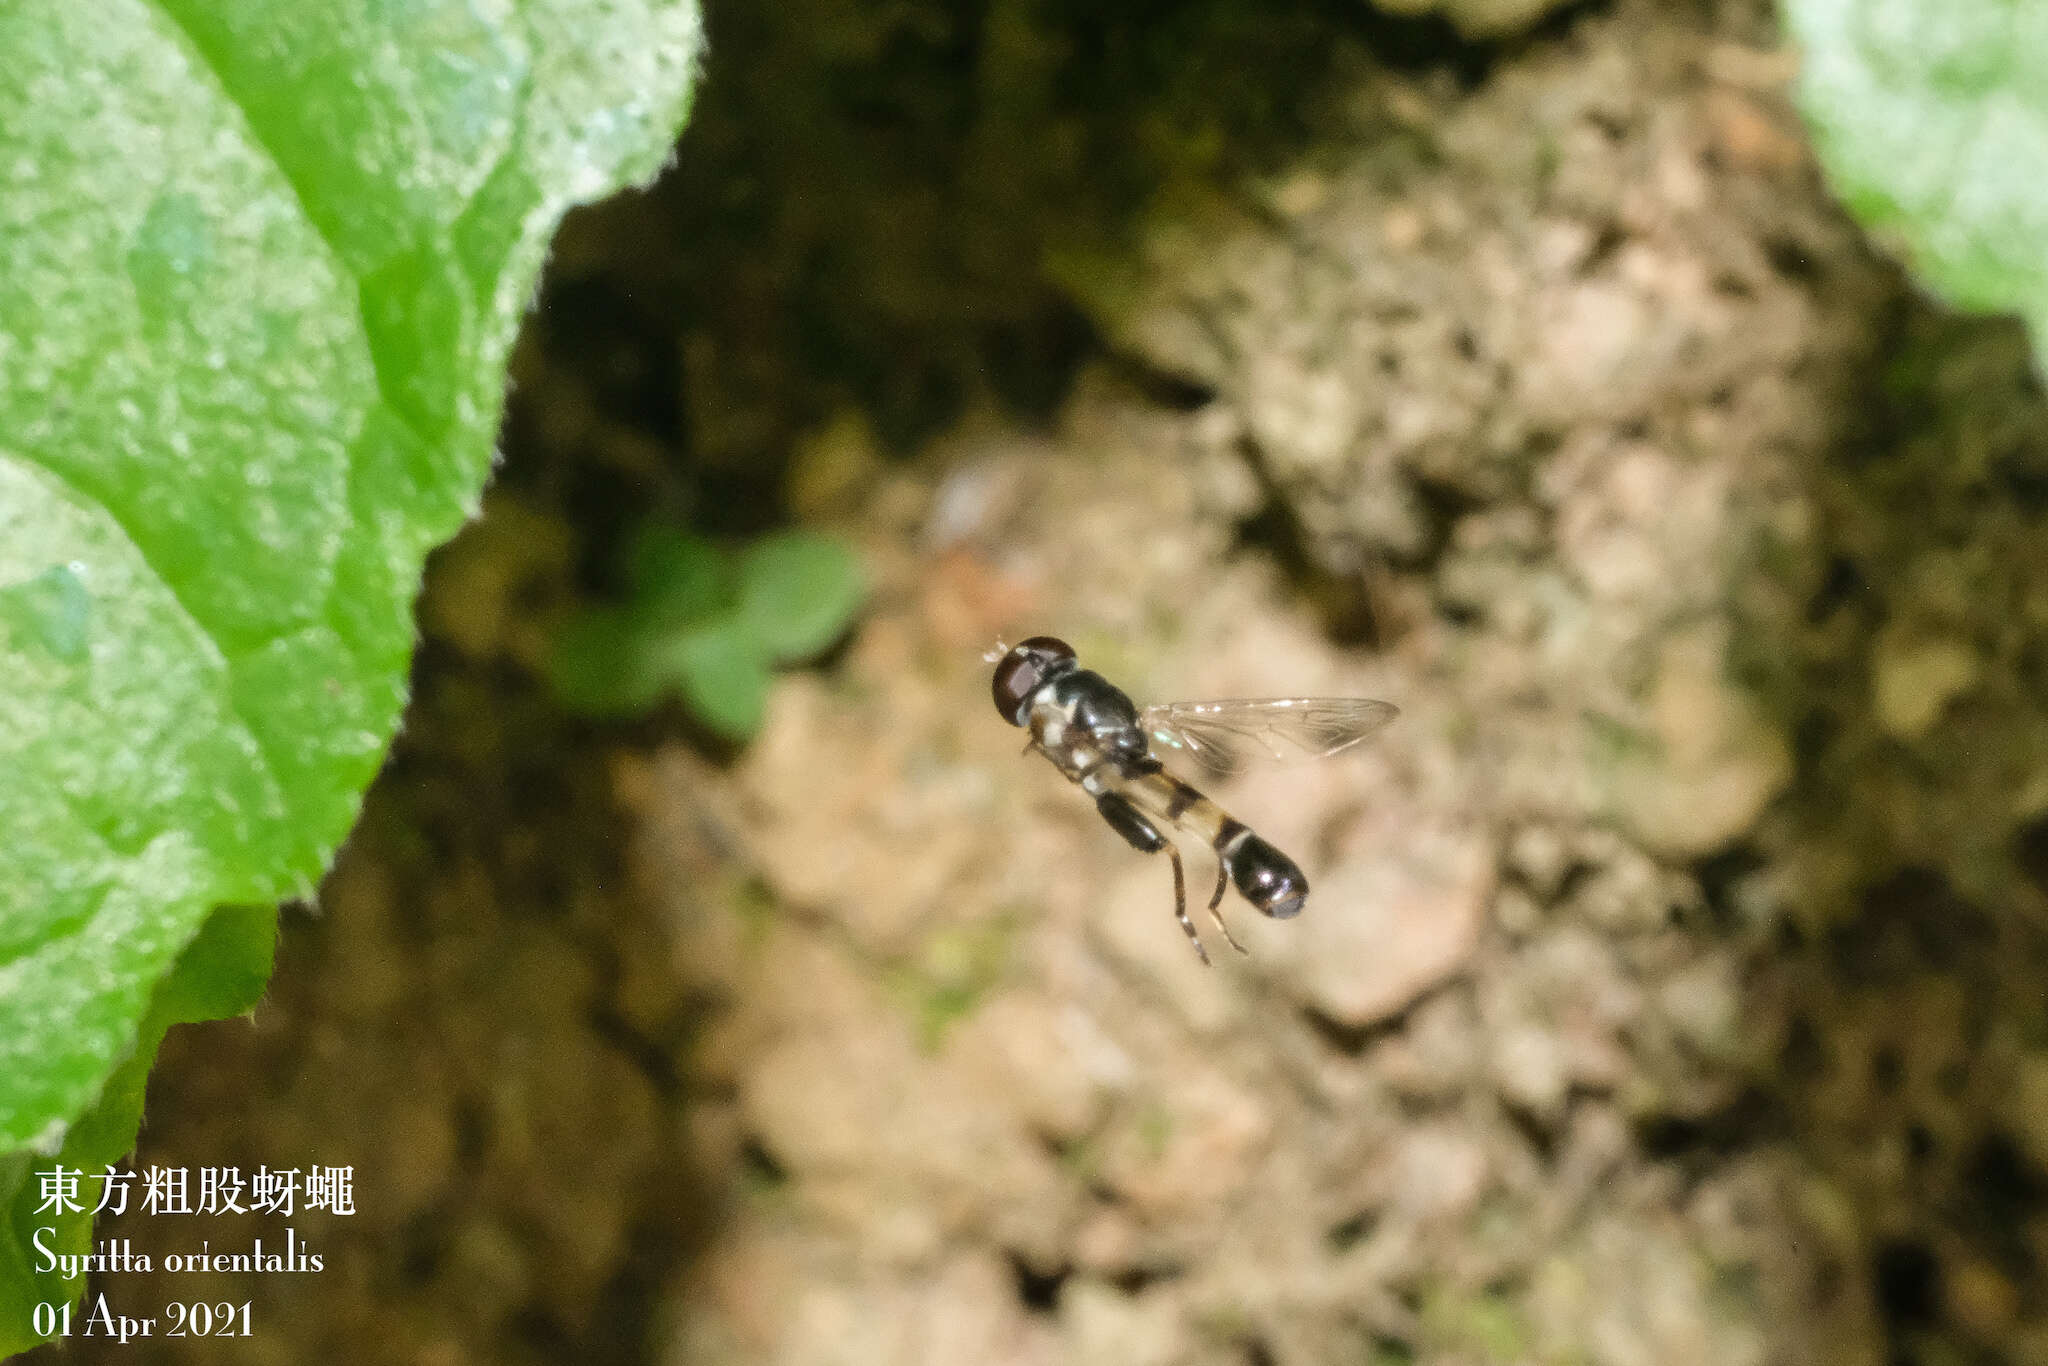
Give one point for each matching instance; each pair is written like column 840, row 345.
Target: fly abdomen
column 1159, row 793
column 1264, row 876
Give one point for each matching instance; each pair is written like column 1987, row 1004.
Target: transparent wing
column 1224, row 735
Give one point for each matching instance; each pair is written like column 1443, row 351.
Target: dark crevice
column 1032, row 362
column 1542, row 1140
column 648, row 1057
column 625, row 1319
column 1350, row 1040
column 759, row 1166
column 2002, row 1192
column 1062, row 1151
column 1432, row 43
column 422, row 1243
column 1754, row 1117
column 542, row 1333
column 1136, row 1280
column 1459, row 614
column 593, row 328
column 472, row 1131
column 1343, row 600
column 1720, row 875
column 1906, row 1277
column 1391, row 1351
column 1349, row 1233
column 1443, row 506
column 1162, row 387
column 1813, row 734
column 1577, row 874
column 1793, row 259
column 2024, row 480
column 1729, row 285
column 1613, row 127
column 1038, row 1291
column 1606, row 243
column 1803, row 1056
column 1844, row 585
column 2030, row 668
column 1912, row 923
column 2030, row 851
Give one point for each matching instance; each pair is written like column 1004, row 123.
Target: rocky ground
column 1669, row 991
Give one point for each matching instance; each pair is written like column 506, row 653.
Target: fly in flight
column 1101, row 740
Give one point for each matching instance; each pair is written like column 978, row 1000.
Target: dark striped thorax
column 1089, row 729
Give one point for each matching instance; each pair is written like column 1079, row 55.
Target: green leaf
column 724, row 677
column 602, row 665
column 678, row 579
column 260, row 267
column 700, row 623
column 798, row 592
column 618, row 661
column 221, row 972
column 49, row 613
column 1931, row 118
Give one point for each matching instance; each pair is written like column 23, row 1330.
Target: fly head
column 1024, row 670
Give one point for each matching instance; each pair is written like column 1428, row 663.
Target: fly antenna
column 992, row 656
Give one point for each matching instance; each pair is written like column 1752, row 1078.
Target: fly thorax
column 1050, row 722
column 1098, row 779
column 1059, row 739
column 1098, row 707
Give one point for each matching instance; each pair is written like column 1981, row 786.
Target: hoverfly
column 1101, row 740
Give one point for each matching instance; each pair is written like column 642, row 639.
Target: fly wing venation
column 1227, row 734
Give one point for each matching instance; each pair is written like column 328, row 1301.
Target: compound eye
column 1017, row 677
column 1023, row 670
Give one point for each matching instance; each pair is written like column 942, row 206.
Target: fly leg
column 1216, row 900
column 1180, row 903
column 1144, row 836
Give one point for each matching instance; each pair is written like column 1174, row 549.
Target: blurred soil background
column 1671, row 991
